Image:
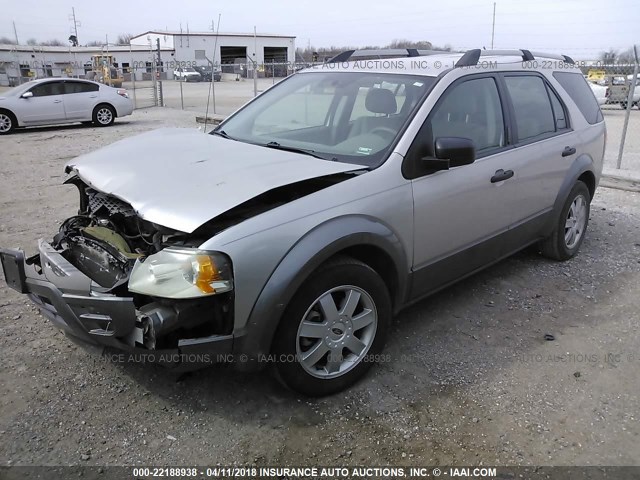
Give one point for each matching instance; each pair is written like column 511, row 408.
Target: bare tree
column 421, row 45
column 95, row 43
column 310, row 53
column 52, row 43
column 627, row 56
column 124, row 39
column 47, row 43
column 609, row 57
column 5, row 41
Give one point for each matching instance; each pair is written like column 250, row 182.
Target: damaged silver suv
column 292, row 233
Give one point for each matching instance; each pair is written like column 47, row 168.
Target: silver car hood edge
column 181, row 178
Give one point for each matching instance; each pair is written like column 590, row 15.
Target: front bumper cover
column 65, row 296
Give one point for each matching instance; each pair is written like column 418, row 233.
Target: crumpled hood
column 181, row 178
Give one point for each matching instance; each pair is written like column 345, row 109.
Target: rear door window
column 558, row 110
column 534, row 115
column 79, row 87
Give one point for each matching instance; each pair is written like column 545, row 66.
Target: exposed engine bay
column 104, row 241
column 107, row 236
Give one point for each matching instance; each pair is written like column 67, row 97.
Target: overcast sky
column 580, row 28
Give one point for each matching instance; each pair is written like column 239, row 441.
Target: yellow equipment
column 596, row 75
column 103, row 71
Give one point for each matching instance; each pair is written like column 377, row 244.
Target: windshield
column 351, row 117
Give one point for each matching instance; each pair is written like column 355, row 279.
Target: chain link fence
column 141, row 81
column 616, row 86
column 234, row 84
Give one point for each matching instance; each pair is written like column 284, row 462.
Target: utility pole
column 212, row 89
column 213, row 68
column 255, row 63
column 632, row 87
column 159, row 69
column 15, row 32
column 76, row 23
column 493, row 26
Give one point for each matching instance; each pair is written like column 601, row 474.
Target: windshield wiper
column 287, row 148
column 222, row 133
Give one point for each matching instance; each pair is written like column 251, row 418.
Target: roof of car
column 432, row 63
column 49, row 79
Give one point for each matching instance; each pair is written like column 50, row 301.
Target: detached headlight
column 182, row 273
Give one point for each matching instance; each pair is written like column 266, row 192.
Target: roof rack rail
column 379, row 53
column 472, row 57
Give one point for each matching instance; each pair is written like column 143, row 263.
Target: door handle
column 93, row 96
column 501, row 175
column 57, row 101
column 568, row 151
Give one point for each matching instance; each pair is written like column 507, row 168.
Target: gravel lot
column 470, row 379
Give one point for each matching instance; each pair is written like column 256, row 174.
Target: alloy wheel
column 336, row 331
column 576, row 222
column 5, row 123
column 104, row 116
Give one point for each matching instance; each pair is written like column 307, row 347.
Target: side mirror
column 459, row 151
column 28, row 94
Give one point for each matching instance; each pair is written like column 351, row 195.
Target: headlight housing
column 182, row 273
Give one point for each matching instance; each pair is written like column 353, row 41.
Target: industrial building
column 224, row 49
column 19, row 63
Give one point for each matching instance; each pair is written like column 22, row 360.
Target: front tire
column 7, row 122
column 104, row 115
column 333, row 328
column 571, row 226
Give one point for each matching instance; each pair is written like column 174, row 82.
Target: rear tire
column 571, row 225
column 333, row 329
column 8, row 122
column 104, row 115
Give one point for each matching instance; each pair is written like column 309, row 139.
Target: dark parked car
column 205, row 73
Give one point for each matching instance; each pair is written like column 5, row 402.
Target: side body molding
column 317, row 246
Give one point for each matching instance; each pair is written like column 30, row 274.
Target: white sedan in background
column 600, row 92
column 51, row 101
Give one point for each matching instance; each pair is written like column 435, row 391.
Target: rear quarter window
column 577, row 88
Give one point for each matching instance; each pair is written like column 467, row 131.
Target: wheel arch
column 582, row 169
column 105, row 104
column 13, row 116
column 589, row 179
column 360, row 237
